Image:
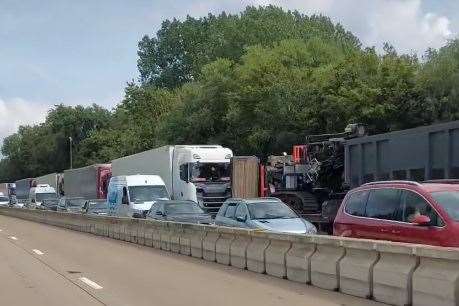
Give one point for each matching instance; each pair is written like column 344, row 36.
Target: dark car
column 49, row 204
column 179, row 211
column 95, row 207
column 71, row 204
column 403, row 211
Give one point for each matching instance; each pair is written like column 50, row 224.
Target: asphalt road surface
column 46, row 265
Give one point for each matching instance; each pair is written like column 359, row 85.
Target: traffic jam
column 400, row 186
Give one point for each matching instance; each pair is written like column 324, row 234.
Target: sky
column 83, row 52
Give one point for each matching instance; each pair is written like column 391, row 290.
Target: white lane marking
column 13, row 238
column 38, row 252
column 1, row 230
column 90, row 283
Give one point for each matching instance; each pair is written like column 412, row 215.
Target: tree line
column 257, row 82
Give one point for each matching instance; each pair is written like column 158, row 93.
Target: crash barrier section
column 388, row 272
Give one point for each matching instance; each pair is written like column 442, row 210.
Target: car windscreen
column 183, row 208
column 97, row 205
column 142, row 194
column 4, row 199
column 449, row 201
column 48, row 195
column 270, row 210
column 49, row 202
column 75, row 202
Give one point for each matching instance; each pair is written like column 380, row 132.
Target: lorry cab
column 39, row 193
column 133, row 195
column 202, row 174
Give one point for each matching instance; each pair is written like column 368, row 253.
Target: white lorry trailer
column 54, row 180
column 200, row 173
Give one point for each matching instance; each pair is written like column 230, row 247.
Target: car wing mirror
column 421, row 220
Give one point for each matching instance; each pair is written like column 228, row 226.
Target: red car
column 404, row 211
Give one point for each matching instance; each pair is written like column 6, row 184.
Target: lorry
column 55, row 180
column 8, row 189
column 200, row 173
column 314, row 179
column 89, row 182
column 22, row 189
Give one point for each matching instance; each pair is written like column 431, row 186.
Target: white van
column 133, row 195
column 39, row 193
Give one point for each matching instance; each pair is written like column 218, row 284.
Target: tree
column 180, row 49
column 439, row 82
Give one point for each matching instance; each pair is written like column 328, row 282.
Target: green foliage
column 257, row 82
column 181, row 48
column 439, row 82
column 44, row 148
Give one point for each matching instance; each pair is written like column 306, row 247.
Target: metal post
column 71, row 148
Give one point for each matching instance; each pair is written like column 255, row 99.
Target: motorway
column 46, row 265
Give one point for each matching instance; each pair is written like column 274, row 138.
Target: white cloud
column 402, row 23
column 15, row 112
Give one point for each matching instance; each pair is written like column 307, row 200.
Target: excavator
column 311, row 179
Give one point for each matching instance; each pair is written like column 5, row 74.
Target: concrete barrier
column 132, row 230
column 197, row 235
column 175, row 233
column 256, row 251
column 325, row 262
column 298, row 259
column 209, row 243
column 436, row 280
column 392, row 274
column 275, row 255
column 223, row 245
column 238, row 248
column 185, row 237
column 165, row 236
column 149, row 228
column 356, row 267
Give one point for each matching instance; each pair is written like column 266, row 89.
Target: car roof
column 428, row 186
column 255, row 200
column 175, row 201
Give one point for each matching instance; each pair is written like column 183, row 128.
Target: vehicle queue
column 389, row 197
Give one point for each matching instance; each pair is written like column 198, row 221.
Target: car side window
column 241, row 211
column 383, row 204
column 161, row 208
column 355, row 204
column 230, row 210
column 414, row 205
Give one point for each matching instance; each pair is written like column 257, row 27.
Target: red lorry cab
column 403, row 211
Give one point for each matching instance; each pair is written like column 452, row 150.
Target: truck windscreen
column 204, row 172
column 142, row 194
column 42, row 196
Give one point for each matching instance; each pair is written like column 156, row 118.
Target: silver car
column 269, row 214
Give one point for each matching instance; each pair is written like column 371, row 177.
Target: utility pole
column 71, row 148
